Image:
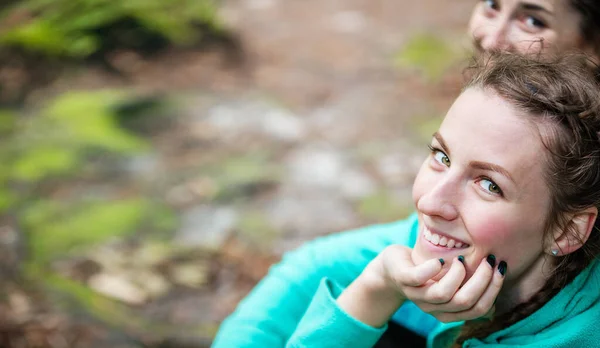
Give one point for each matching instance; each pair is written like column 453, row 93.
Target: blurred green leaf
column 87, row 120
column 71, row 27
column 40, row 162
column 56, row 229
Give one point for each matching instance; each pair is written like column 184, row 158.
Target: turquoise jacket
column 294, row 305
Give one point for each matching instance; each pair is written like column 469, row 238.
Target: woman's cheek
column 503, row 238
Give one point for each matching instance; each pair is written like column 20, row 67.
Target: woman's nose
column 495, row 37
column 441, row 200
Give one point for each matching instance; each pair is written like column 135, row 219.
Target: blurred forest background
column 157, row 156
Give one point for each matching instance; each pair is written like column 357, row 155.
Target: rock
column 142, row 166
column 355, row 184
column 151, row 254
column 111, row 257
column 315, row 165
column 399, row 168
column 152, row 283
column 206, row 226
column 283, row 125
column 20, row 306
column 118, row 287
column 310, row 213
column 193, row 275
column 243, row 117
column 348, row 22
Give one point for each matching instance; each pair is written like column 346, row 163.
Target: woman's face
column 529, row 26
column 482, row 190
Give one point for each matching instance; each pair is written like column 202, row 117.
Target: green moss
column 57, row 141
column 37, row 163
column 87, row 119
column 95, row 304
column 429, row 54
column 55, row 229
column 382, row 207
column 8, row 121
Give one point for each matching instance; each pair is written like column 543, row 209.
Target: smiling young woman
column 505, row 229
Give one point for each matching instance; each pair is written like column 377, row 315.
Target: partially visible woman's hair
column 589, row 10
column 562, row 98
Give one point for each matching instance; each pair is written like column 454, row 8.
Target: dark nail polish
column 442, row 261
column 461, row 259
column 502, row 267
column 491, row 259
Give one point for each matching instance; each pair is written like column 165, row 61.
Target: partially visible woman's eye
column 491, row 5
column 490, row 186
column 533, row 23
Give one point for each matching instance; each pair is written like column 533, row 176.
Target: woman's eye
column 534, row 23
column 491, row 5
column 441, row 158
column 490, row 186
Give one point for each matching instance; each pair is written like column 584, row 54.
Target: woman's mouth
column 442, row 240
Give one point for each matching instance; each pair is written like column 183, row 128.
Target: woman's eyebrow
column 491, row 167
column 437, row 136
column 535, row 7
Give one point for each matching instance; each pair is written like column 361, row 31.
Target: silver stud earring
column 554, row 252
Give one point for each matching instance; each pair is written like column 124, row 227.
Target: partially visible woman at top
column 286, row 307
column 537, row 26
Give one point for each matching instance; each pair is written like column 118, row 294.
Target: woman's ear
column 575, row 234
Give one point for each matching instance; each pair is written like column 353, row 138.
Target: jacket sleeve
column 270, row 314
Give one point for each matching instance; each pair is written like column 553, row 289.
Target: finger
column 419, row 274
column 441, row 291
column 484, row 307
column 470, row 293
column 401, row 268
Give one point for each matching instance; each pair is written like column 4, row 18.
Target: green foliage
column 8, row 121
column 72, row 28
column 55, row 229
column 57, row 141
column 429, row 54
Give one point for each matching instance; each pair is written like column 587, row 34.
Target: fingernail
column 442, row 261
column 491, row 259
column 461, row 259
column 502, row 267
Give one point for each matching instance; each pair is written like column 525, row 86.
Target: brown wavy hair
column 562, row 98
column 590, row 21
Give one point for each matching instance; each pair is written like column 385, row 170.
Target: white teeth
column 437, row 239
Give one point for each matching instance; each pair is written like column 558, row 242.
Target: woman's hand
column 447, row 299
column 392, row 277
